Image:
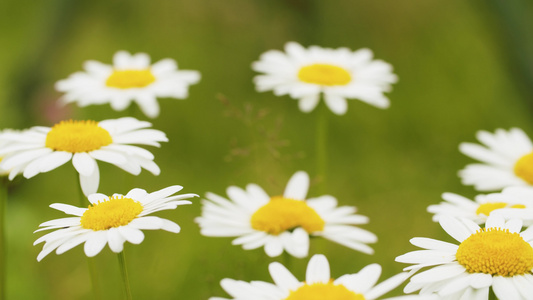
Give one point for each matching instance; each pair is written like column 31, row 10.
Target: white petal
column 84, row 163
column 115, row 240
column 89, row 184
column 68, row 209
column 283, row 277
column 338, row 105
column 298, row 186
column 317, row 270
column 308, row 103
column 95, row 243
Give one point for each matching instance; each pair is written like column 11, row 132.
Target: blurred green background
column 463, row 66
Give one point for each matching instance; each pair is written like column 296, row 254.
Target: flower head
column 282, row 222
column 512, row 203
column 507, row 160
column 42, row 149
column 339, row 74
column 130, row 78
column 110, row 220
column 498, row 256
column 318, row 284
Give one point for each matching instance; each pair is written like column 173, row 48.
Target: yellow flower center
column 321, row 291
column 496, row 252
column 523, row 168
column 324, row 74
column 281, row 214
column 487, row 208
column 127, row 79
column 115, row 212
column 77, row 136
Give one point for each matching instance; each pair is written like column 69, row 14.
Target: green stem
column 492, row 296
column 321, row 145
column 97, row 294
column 124, row 272
column 3, row 260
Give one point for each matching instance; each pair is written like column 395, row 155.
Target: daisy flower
column 130, row 78
column 110, row 220
column 318, row 284
column 282, row 222
column 42, row 149
column 339, row 74
column 507, row 160
column 509, row 205
column 498, row 256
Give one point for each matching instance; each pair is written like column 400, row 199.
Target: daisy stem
column 97, row 295
column 287, row 260
column 124, row 272
column 3, row 260
column 492, row 296
column 321, row 145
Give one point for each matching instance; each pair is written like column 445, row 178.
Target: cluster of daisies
column 494, row 231
column 494, row 254
column 282, row 223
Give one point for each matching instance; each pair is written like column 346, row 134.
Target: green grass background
column 463, row 66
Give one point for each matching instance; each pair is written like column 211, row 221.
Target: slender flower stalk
column 321, row 146
column 3, row 260
column 124, row 273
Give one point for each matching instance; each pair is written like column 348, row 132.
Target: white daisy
column 507, row 205
column 42, row 149
column 507, row 160
column 130, row 78
column 318, row 284
column 497, row 256
column 339, row 74
column 282, row 222
column 110, row 220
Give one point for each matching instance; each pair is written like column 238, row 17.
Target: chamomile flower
column 130, row 78
column 507, row 205
column 338, row 74
column 318, row 284
column 498, row 256
column 42, row 149
column 507, row 160
column 110, row 220
column 282, row 222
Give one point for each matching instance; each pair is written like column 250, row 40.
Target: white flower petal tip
column 318, row 280
column 43, row 149
column 486, row 258
column 131, row 78
column 505, row 160
column 282, row 223
column 337, row 74
column 110, row 220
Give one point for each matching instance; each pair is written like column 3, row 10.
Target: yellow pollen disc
column 487, row 208
column 523, row 168
column 281, row 214
column 77, row 136
column 324, row 74
column 496, row 252
column 322, row 291
column 108, row 214
column 127, row 79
